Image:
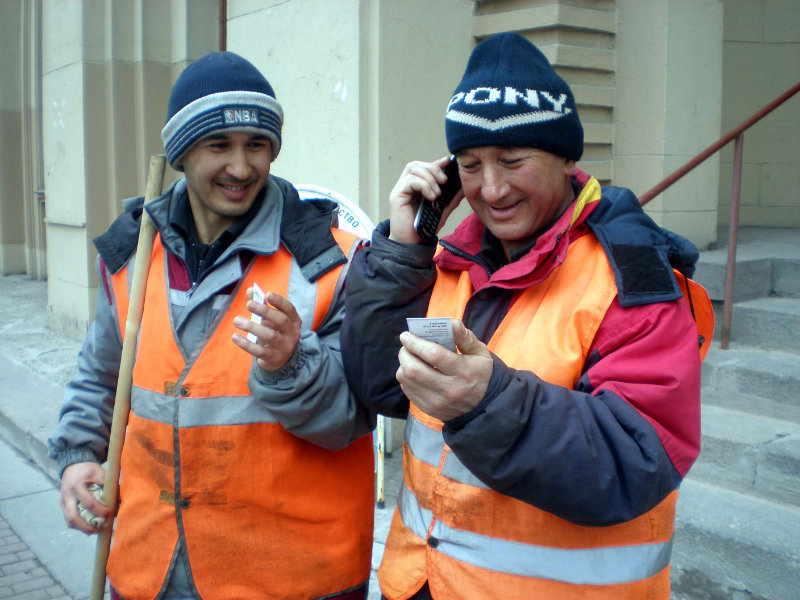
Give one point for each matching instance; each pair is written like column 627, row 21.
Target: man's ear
column 569, row 165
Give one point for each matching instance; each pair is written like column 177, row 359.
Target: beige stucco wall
column 418, row 51
column 762, row 61
column 309, row 52
column 363, row 85
column 107, row 71
column 669, row 94
column 65, row 164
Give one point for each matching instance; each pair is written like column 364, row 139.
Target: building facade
column 364, row 85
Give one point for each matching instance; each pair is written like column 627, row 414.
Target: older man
column 543, row 459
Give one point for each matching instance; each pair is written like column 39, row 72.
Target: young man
column 245, row 471
column 543, row 459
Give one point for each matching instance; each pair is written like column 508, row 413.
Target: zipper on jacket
column 477, row 259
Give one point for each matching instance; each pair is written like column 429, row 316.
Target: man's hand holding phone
column 419, row 184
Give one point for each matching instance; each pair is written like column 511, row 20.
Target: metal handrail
column 716, row 146
column 737, row 135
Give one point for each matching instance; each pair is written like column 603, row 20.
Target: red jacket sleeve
column 611, row 448
column 649, row 357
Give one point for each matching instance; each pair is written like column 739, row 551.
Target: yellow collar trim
column 591, row 193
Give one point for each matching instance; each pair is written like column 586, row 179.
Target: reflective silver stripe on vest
column 593, row 566
column 220, row 410
column 427, row 444
column 197, row 412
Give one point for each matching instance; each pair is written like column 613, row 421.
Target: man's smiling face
column 516, row 192
column 224, row 173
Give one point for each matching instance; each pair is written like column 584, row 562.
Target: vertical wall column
column 70, row 119
column 669, row 99
column 107, row 71
column 32, row 148
column 417, row 54
column 12, row 220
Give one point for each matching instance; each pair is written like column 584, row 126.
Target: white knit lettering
column 456, row 98
column 530, row 97
column 558, row 105
column 488, row 95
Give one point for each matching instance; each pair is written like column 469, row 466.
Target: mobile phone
column 430, row 213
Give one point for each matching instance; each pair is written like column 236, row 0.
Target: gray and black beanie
column 511, row 96
column 220, row 91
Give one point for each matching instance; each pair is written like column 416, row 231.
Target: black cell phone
column 430, row 213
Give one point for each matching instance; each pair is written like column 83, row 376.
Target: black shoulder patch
column 642, row 270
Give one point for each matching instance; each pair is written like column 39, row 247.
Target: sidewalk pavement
column 40, row 558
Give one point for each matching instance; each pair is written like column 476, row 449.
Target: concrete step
column 778, row 408
column 29, row 408
column 786, row 277
column 750, row 454
column 772, row 322
column 733, row 546
column 767, row 263
column 760, row 381
column 753, row 278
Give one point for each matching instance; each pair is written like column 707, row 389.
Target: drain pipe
column 222, row 24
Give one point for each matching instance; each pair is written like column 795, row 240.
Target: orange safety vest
column 451, row 530
column 262, row 513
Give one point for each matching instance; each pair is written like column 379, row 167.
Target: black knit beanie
column 511, row 96
column 219, row 91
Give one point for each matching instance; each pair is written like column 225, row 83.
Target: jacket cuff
column 296, row 362
column 71, row 456
column 496, row 384
column 413, row 255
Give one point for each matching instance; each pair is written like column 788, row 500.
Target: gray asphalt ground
column 40, row 558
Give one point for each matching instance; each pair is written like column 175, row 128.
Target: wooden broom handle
column 122, row 401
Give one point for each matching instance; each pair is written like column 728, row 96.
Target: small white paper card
column 439, row 330
column 258, row 296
